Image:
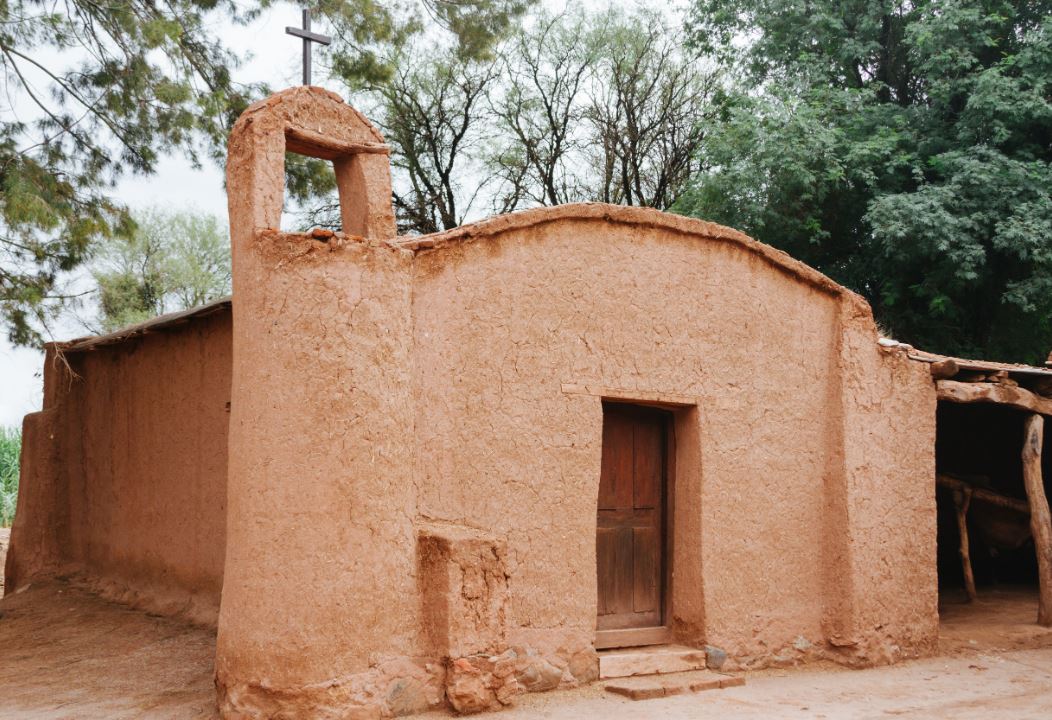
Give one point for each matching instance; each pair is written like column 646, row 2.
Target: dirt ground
column 67, row 654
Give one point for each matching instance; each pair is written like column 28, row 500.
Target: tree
column 172, row 261
column 901, row 147
column 103, row 90
column 99, row 90
column 648, row 112
column 540, row 109
column 419, row 69
column 602, row 106
column 430, row 111
column 571, row 107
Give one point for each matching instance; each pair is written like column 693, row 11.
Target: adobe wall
column 805, row 453
column 415, row 443
column 434, row 474
column 124, row 476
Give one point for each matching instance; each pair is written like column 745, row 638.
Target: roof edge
column 624, row 215
column 126, row 333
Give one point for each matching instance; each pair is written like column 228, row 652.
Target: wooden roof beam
column 996, row 393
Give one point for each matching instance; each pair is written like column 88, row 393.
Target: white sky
column 276, row 60
column 176, row 183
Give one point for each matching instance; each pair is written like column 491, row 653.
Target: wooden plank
column 648, row 463
column 620, row 600
column 646, row 569
column 961, row 500
column 983, row 495
column 604, row 551
column 1040, row 518
column 615, row 482
column 1017, row 397
column 615, row 478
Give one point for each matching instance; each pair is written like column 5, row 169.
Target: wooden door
column 630, row 535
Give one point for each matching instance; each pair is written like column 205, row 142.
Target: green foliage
column 370, row 37
column 171, row 261
column 10, row 448
column 100, row 90
column 903, row 148
column 103, row 90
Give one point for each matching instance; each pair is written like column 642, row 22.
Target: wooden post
column 982, row 494
column 1040, row 519
column 962, row 499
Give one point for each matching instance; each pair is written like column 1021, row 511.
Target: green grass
column 10, row 446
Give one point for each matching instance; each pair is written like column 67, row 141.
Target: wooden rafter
column 982, row 494
column 996, row 393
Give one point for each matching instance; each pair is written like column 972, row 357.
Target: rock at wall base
column 714, row 657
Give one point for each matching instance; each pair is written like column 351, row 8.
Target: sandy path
column 67, row 654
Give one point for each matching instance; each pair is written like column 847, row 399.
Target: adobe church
column 402, row 473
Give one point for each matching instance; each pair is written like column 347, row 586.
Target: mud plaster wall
column 518, row 336
column 134, row 499
column 402, row 406
column 321, row 433
column 458, row 390
column 890, row 582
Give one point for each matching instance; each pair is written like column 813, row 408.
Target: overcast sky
column 175, row 184
column 276, row 60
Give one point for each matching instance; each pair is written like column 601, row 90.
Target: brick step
column 653, row 660
column 657, row 686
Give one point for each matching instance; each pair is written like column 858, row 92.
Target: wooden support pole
column 961, row 500
column 1040, row 518
column 982, row 495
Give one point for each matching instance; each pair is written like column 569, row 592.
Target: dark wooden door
column 630, row 537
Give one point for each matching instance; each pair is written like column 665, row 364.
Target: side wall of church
column 125, row 484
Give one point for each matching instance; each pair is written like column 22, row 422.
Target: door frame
column 660, row 634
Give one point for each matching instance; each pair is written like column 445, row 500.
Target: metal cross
column 308, row 38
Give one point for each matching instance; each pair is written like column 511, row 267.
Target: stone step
column 653, row 660
column 657, row 686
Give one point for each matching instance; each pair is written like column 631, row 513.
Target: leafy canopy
column 172, row 261
column 903, row 148
column 97, row 91
column 583, row 105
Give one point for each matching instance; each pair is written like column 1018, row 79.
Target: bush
column 10, row 447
